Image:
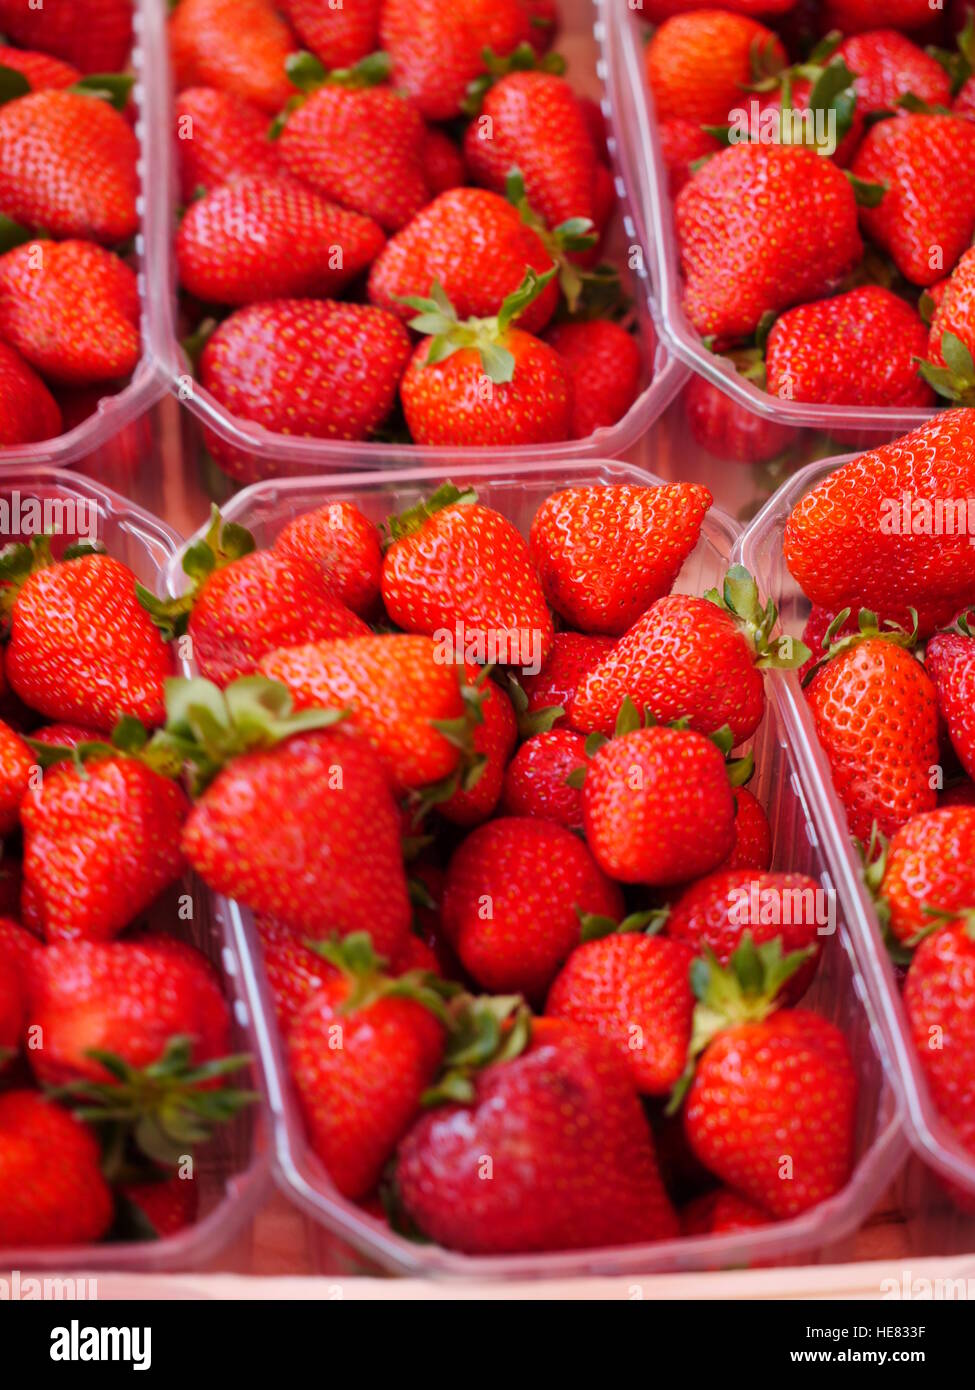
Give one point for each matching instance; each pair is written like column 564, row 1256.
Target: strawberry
column 164, row 1205
column 873, row 338
column 926, row 872
column 753, row 835
column 492, row 743
column 854, row 16
column 759, row 228
column 949, row 660
column 951, row 345
column 443, row 163
column 605, row 367
column 293, row 971
column 338, row 35
column 271, row 238
column 298, row 823
column 720, row 1213
column 28, row 411
column 535, row 779
column 438, row 46
column 484, row 382
column 239, row 46
column 533, row 876
column 453, row 563
column 12, row 1011
column 572, row 656
column 345, row 544
column 94, row 35
column 572, row 1158
column 642, row 825
column 633, row 990
column 823, row 86
column 51, row 1188
column 717, row 910
column 17, row 762
column 64, row 736
column 436, row 247
column 958, row 794
column 220, row 137
column 327, row 369
column 605, row 553
column 17, row 945
column 848, row 543
column 964, row 102
column 682, row 143
column 71, row 309
column 68, row 166
column 876, row 717
column 924, row 221
column 81, row 647
column 656, row 11
column 699, row 65
column 358, row 1099
column 41, row 71
column 729, row 430
column 888, row 66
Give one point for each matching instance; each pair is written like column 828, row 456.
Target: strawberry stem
column 223, row 543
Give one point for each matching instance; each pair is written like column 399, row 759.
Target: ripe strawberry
column 94, row 35
column 28, row 411
column 823, row 86
column 753, row 835
column 633, row 990
column 533, row 876
column 643, row 826
column 66, row 736
column 849, row 545
column 492, row 744
column 17, row 945
column 951, row 365
column 572, row 656
column 437, row 46
column 338, row 35
column 51, row 1188
column 964, row 102
column 68, row 166
column 436, row 247
column 761, row 227
column 605, row 553
column 729, row 430
column 699, row 65
column 655, row 11
column 271, row 238
column 959, row 794
column 876, row 717
column 220, row 137
column 949, row 660
column 359, row 1099
column 17, row 762
column 682, row 144
column 888, row 66
column 239, row 46
column 452, row 562
column 345, row 544
column 853, row 16
column 71, row 309
column 872, row 338
column 720, row 1213
column 923, row 221
column 292, row 970
column 164, row 1205
column 928, row 864
column 40, row 69
column 12, row 1012
column 535, row 779
column 443, row 163
column 605, row 367
column 572, row 1159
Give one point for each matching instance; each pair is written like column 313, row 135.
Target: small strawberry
column 926, row 872
column 572, row 656
column 605, row 367
column 949, row 659
column 753, row 835
column 28, row 411
column 682, row 144
column 699, row 65
column 535, row 779
column 888, row 66
column 17, row 762
column 605, row 553
column 492, row 743
column 345, row 544
column 94, row 35
column 951, row 346
column 51, row 1188
column 729, row 430
column 239, row 46
column 338, row 35
column 40, row 70
column 271, row 238
column 720, row 1213
column 220, row 137
column 164, row 1205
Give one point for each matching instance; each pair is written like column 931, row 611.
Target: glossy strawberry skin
column 929, row 864
column 955, row 310
column 220, row 137
column 17, row 762
column 51, row 1188
column 239, row 46
column 338, row 36
column 887, row 65
column 605, row 365
column 753, row 834
column 729, row 430
column 573, row 654
column 28, row 411
column 949, row 659
column 345, row 544
column 699, row 64
column 535, row 779
column 94, row 35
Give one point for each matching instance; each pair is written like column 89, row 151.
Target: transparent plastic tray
column 880, row 1148
column 760, row 549
column 233, row 1170
column 272, row 454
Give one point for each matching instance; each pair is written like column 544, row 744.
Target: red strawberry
column 82, row 648
column 28, row 411
column 753, row 835
column 437, row 245
column 642, row 825
column 339, row 35
column 359, row 1098
column 959, row 794
column 872, row 338
column 511, row 898
column 293, row 971
column 605, row 367
column 924, row 221
column 949, row 660
column 634, row 991
column 853, row 16
column 17, row 762
column 729, row 430
column 12, row 1012
column 64, row 736
column 699, row 65
column 94, row 35
column 572, row 656
column 682, row 144
column 816, row 631
column 345, row 544
column 720, row 1213
column 759, row 228
column 964, row 103
column 836, row 125
column 492, row 743
column 605, row 553
column 888, row 66
column 849, row 545
column 951, row 365
column 51, row 1188
column 927, row 865
column 271, row 238
column 239, row 46
column 40, row 69
column 166, row 1205
column 220, row 137
column 17, row 945
column 443, row 163
column 454, row 563
column 535, row 779
column 572, row 1159
column 71, row 309
column 68, row 166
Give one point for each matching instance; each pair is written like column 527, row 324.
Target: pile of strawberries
column 69, row 302
column 350, row 174
column 829, row 260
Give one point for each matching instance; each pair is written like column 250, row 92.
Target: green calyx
column 739, row 598
column 763, row 59
column 13, row 84
column 113, row 87
column 194, row 343
column 437, row 320
column 307, row 73
column 458, row 732
column 223, row 543
column 580, row 288
column 20, row 559
column 956, row 379
column 520, row 59
column 407, row 523
column 867, row 195
column 831, row 93
column 593, row 926
column 629, row 719
column 530, row 722
column 129, row 738
column 869, row 630
column 482, row 1030
column 365, row 971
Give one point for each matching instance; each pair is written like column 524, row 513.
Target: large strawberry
column 271, row 238
column 605, row 365
column 94, row 35
column 762, row 227
column 344, row 543
column 237, row 45
column 699, row 65
column 949, row 659
column 604, row 554
column 888, row 67
column 338, row 35
column 17, row 763
column 28, row 411
column 51, row 1188
column 926, row 872
column 572, row 1163
column 220, row 137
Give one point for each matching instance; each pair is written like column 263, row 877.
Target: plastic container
column 643, row 167
column 517, row 491
column 272, row 454
column 760, row 550
column 233, row 1170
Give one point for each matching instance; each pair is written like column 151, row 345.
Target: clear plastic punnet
column 274, row 454
column 819, row 1234
column 760, row 549
column 232, row 1171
